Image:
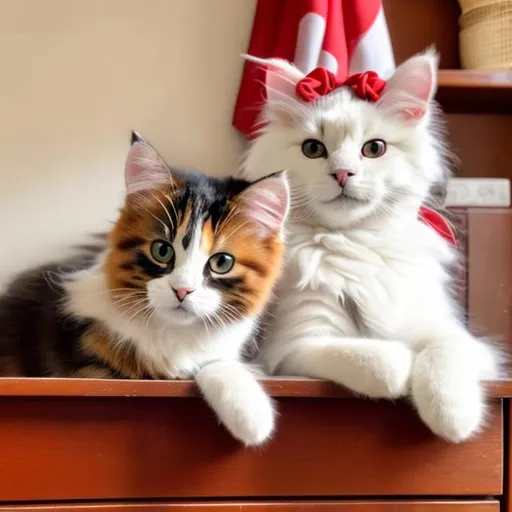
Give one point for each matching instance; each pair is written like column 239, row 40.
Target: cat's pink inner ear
column 411, row 88
column 144, row 168
column 266, row 202
column 134, row 163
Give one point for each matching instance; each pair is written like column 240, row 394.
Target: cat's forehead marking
column 188, row 222
column 199, row 202
column 207, row 237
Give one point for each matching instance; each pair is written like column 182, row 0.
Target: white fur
column 231, row 386
column 363, row 301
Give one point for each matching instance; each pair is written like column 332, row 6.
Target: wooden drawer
column 485, row 240
column 165, row 443
column 489, row 257
column 318, row 506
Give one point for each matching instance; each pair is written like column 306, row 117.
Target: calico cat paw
column 239, row 401
column 251, row 422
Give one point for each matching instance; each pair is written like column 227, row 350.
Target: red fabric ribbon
column 438, row 223
column 368, row 86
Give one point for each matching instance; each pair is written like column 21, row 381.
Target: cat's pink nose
column 181, row 293
column 342, row 176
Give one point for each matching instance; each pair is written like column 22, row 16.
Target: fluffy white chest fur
column 365, row 283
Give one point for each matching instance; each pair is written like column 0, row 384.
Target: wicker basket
column 468, row 5
column 486, row 34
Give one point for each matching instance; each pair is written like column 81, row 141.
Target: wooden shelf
column 467, row 91
column 276, row 387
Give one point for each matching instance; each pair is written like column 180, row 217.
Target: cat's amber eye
column 374, row 148
column 221, row 263
column 313, row 148
column 162, row 251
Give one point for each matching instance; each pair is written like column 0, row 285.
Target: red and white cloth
column 344, row 36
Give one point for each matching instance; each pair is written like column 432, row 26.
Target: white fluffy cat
column 364, row 301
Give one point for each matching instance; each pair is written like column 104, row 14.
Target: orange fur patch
column 138, row 220
column 121, row 358
column 257, row 262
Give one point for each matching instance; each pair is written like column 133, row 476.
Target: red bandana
column 438, row 223
column 368, row 86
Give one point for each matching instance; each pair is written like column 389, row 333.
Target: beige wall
column 76, row 76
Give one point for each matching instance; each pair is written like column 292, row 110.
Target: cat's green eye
column 221, row 263
column 313, row 148
column 373, row 148
column 162, row 251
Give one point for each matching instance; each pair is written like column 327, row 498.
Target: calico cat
column 365, row 298
column 174, row 292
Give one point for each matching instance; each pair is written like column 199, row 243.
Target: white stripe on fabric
column 374, row 51
column 310, row 38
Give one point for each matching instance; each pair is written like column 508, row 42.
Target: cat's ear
column 144, row 167
column 137, row 137
column 267, row 202
column 411, row 88
column 281, row 77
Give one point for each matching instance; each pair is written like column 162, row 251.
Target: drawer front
column 489, row 254
column 118, row 448
column 319, row 506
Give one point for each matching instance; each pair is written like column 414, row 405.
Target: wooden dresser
column 133, row 446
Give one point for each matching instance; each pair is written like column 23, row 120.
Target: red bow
column 367, row 85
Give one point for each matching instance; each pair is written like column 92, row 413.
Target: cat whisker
column 155, row 197
column 150, row 316
column 171, row 202
column 147, row 307
column 130, row 306
column 235, row 230
column 234, row 211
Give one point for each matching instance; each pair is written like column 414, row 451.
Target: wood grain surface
column 243, row 506
column 292, row 387
column 76, row 448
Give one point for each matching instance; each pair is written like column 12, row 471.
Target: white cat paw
column 252, row 423
column 455, row 419
column 388, row 371
column 453, row 408
column 239, row 401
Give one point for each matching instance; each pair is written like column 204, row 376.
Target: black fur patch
column 131, row 243
column 225, row 284
column 35, row 332
column 152, row 269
